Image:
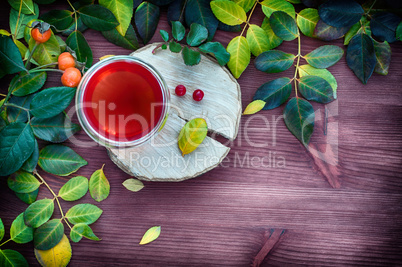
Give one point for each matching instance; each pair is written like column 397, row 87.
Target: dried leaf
column 192, row 135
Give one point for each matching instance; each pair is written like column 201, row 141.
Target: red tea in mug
column 122, row 100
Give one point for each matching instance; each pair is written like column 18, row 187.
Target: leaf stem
column 298, row 60
column 372, row 5
column 18, row 20
column 15, row 106
column 40, row 70
column 182, row 11
column 75, row 14
column 5, row 242
column 55, row 196
column 28, row 63
column 47, row 65
column 3, row 95
column 249, row 17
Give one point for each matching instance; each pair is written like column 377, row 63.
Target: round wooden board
column 160, row 159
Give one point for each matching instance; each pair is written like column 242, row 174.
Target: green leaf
column 161, row 2
column 363, row 26
column 98, row 17
column 174, row 47
column 274, row 61
column 10, row 56
column 146, row 19
column 399, row 32
column 123, row 11
column 150, row 235
column 11, row 258
column 16, row 145
column 340, row 13
column 56, row 129
column 326, row 32
column 21, row 47
column 299, row 118
column 28, row 198
column 16, row 114
column 49, row 234
column 24, row 20
column 59, row 255
column 61, row 19
column 76, row 41
column 254, row 107
column 4, row 32
column 60, row 160
column 26, row 84
column 1, row 230
column 316, row 89
column 82, row 230
column 178, row 30
column 307, row 20
column 360, row 57
column 274, row 92
column 383, row 56
column 129, row 41
column 52, row 101
column 99, row 186
column 30, row 164
column 192, row 135
column 305, row 70
column 324, row 56
column 257, row 39
column 133, row 185
column 383, row 26
column 284, row 26
column 245, row 4
column 217, row 50
column 239, row 51
column 228, row 12
column 83, row 213
column 45, row 53
column 190, row 56
column 197, row 34
column 165, row 35
column 271, row 6
column 199, row 11
column 39, row 212
column 81, row 27
column 27, row 6
column 175, row 11
column 19, row 232
column 23, row 182
column 74, row 189
column 273, row 40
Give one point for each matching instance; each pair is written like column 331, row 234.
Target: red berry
column 198, row 95
column 180, row 90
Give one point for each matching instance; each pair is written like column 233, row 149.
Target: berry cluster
column 198, row 94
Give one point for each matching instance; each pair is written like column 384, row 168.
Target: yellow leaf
column 192, row 135
column 4, row 32
column 150, row 235
column 106, row 56
column 59, row 256
column 239, row 51
column 228, row 12
column 254, row 107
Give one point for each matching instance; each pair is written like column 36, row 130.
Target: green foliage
column 25, row 84
column 360, row 57
column 383, row 26
column 150, row 235
column 284, row 26
column 245, row 4
column 146, row 20
column 274, row 92
column 239, row 51
column 128, row 41
column 22, row 182
column 11, row 258
column 325, row 56
column 340, row 13
column 74, row 189
column 18, row 31
column 217, row 50
column 1, row 230
column 30, row 164
column 197, row 35
column 273, row 40
column 228, row 12
column 52, row 101
column 99, row 186
column 60, row 160
column 56, row 129
column 49, row 234
column 16, row 114
column 271, row 6
column 190, row 56
column 10, row 57
column 77, row 42
column 45, row 53
column 316, row 89
column 122, row 10
column 299, row 118
column 28, row 198
column 307, row 20
column 39, row 212
column 17, row 144
column 305, row 70
column 165, row 35
column 199, row 11
column 133, row 185
column 257, row 39
column 81, row 230
column 274, row 61
column 178, row 30
column 83, row 213
column 19, row 232
column 327, row 32
column 27, row 6
column 61, row 19
column 174, row 47
column 98, row 17
column 383, row 56
column 363, row 26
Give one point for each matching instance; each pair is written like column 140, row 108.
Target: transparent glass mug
column 122, row 101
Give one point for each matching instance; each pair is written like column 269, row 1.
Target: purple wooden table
column 296, row 211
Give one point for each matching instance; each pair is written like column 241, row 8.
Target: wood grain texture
column 223, row 217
